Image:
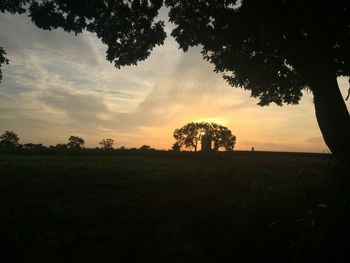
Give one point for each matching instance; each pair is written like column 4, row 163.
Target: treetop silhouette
column 75, row 142
column 212, row 137
column 9, row 141
column 107, row 143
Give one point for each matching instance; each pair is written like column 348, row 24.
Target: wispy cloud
column 59, row 84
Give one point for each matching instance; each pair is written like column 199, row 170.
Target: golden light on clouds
column 218, row 120
column 52, row 89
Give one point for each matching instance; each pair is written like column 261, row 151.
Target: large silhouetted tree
column 273, row 48
column 276, row 49
column 191, row 134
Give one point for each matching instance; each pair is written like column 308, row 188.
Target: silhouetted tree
column 275, row 49
column 9, row 141
column 107, row 143
column 33, row 147
column 222, row 137
column 191, row 134
column 176, row 147
column 146, row 147
column 60, row 146
column 75, row 142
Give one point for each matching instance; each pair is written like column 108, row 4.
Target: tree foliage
column 75, row 142
column 276, row 49
column 191, row 134
column 222, row 137
column 34, row 147
column 269, row 48
column 9, row 141
column 61, row 146
column 145, row 147
column 107, row 143
column 176, row 147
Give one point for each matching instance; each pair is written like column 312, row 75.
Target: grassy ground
column 241, row 207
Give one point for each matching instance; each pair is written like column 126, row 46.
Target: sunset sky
column 59, row 84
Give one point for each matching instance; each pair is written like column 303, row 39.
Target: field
column 163, row 207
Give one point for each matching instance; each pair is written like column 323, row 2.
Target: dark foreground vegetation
column 172, row 207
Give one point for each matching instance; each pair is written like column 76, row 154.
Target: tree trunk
column 332, row 116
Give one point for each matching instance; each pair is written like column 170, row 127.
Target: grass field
column 239, row 207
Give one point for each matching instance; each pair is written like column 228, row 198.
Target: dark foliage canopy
column 34, row 147
column 222, row 137
column 107, row 143
column 75, row 142
column 145, row 147
column 9, row 141
column 271, row 47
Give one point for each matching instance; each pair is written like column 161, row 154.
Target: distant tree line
column 9, row 143
column 188, row 137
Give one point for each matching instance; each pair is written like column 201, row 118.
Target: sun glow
column 58, row 92
column 217, row 120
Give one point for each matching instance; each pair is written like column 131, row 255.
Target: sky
column 58, row 84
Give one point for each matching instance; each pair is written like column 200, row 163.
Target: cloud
column 20, row 37
column 180, row 88
column 81, row 107
column 59, row 84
